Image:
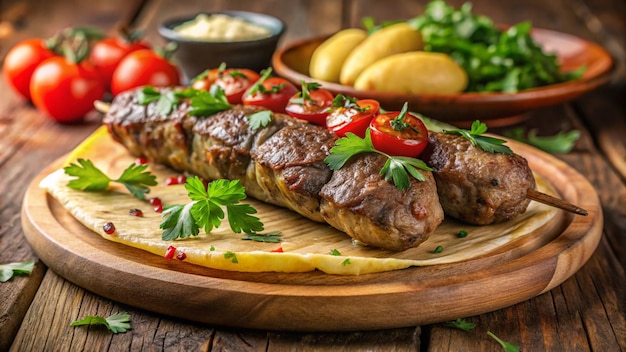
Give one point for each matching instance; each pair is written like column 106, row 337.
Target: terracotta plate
column 292, row 62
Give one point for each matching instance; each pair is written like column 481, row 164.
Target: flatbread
column 306, row 245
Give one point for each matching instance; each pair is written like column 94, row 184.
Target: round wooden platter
column 316, row 301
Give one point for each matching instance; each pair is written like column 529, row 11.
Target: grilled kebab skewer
column 283, row 164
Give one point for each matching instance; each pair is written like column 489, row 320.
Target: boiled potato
column 328, row 58
column 394, row 39
column 416, row 72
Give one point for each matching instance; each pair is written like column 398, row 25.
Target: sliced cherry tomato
column 234, row 81
column 272, row 93
column 20, row 63
column 351, row 115
column 141, row 68
column 107, row 53
column 399, row 133
column 65, row 90
column 312, row 104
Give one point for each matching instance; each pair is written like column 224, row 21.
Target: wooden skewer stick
column 101, row 106
column 535, row 195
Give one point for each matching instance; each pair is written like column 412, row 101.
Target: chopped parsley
column 7, row 271
column 259, row 119
column 116, row 323
column 203, row 103
column 488, row 144
column 90, row 178
column 397, row 168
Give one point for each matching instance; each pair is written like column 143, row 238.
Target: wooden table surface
column 585, row 313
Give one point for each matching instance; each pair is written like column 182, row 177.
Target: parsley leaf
column 205, row 103
column 396, row 168
column 91, row 179
column 232, row 256
column 116, row 323
column 460, row 324
column 19, row 268
column 335, row 252
column 258, row 87
column 562, row 142
column 488, row 144
column 205, row 210
column 508, row 347
column 270, row 237
column 260, row 118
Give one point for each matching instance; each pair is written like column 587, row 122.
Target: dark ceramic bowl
column 193, row 56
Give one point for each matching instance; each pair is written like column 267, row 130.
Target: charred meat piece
column 283, row 164
column 475, row 186
column 360, row 202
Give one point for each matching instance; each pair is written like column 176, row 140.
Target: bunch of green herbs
column 495, row 60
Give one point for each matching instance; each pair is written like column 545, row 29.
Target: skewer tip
column 540, row 197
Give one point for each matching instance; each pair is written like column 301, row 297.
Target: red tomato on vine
column 21, row 61
column 107, row 53
column 65, row 90
column 142, row 68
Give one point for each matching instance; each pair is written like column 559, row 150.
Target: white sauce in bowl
column 219, row 27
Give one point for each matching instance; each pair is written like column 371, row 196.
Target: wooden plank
column 30, row 139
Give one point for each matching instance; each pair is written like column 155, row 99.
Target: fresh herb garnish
column 438, row 249
column 346, row 262
column 19, row 268
column 258, row 86
column 561, row 143
column 335, row 252
column 460, row 324
column 462, row 234
column 232, row 256
column 305, row 94
column 397, row 168
column 203, row 103
column 495, row 60
column 270, row 237
column 508, row 347
column 346, row 102
column 488, row 144
column 259, row 118
column 91, row 179
column 116, row 323
column 205, row 210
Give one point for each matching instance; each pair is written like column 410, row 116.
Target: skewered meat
column 282, row 164
column 359, row 201
column 475, row 186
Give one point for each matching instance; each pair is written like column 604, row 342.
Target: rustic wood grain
column 585, row 313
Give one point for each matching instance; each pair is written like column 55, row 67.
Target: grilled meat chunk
column 475, row 186
column 359, row 201
column 283, row 164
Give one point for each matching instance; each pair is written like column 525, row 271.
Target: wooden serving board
column 316, row 301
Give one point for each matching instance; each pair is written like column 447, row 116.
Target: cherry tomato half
column 65, row 90
column 20, row 63
column 144, row 67
column 273, row 94
column 355, row 117
column 107, row 53
column 312, row 104
column 409, row 138
column 234, row 82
